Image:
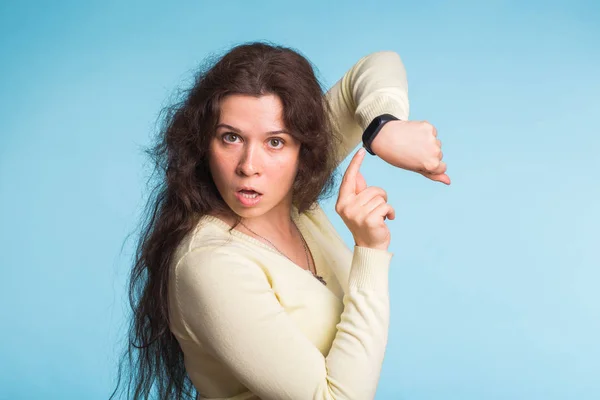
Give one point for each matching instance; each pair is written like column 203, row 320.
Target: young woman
column 242, row 289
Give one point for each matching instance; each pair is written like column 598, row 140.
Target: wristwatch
column 373, row 129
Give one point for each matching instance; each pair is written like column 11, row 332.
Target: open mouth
column 248, row 198
column 249, row 194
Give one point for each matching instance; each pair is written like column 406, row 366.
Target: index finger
column 348, row 185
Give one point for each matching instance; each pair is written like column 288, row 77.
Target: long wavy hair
column 185, row 192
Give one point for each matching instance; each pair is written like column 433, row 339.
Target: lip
column 250, row 188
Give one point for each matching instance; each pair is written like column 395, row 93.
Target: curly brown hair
column 185, row 192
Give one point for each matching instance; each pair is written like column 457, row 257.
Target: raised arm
column 375, row 85
column 229, row 308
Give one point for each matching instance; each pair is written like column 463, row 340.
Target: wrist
column 386, row 141
column 374, row 129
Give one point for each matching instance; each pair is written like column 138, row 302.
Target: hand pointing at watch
column 364, row 209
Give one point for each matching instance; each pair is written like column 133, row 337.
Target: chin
column 247, row 212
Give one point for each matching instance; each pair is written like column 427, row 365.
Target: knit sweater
column 254, row 325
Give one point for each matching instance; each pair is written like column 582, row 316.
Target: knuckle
column 378, row 191
column 340, row 208
column 431, row 143
column 350, row 213
column 431, row 165
column 369, row 193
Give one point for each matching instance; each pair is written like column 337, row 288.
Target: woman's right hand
column 364, row 209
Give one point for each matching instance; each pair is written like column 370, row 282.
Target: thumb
column 438, row 178
column 361, row 184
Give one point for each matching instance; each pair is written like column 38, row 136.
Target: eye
column 230, row 137
column 276, row 143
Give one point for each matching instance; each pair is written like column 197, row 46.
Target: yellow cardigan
column 252, row 324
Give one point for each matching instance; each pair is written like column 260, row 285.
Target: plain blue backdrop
column 495, row 279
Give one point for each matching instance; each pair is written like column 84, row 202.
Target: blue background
column 495, row 279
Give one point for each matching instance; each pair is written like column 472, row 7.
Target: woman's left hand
column 414, row 146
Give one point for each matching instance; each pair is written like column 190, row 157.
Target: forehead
column 249, row 113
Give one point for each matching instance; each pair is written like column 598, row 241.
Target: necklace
column 304, row 244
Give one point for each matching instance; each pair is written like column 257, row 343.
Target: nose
column 250, row 162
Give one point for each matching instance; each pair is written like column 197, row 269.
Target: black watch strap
column 373, row 129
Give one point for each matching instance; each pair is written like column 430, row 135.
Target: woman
column 242, row 289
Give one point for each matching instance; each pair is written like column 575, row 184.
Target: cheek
column 285, row 169
column 220, row 166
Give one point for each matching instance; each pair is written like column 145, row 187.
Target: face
column 252, row 158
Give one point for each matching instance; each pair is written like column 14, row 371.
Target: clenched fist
column 414, row 146
column 364, row 209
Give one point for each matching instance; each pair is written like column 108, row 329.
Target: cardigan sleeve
column 375, row 85
column 229, row 308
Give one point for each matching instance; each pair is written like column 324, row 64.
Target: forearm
column 375, row 85
column 356, row 356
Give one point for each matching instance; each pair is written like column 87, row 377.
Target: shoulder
column 209, row 275
column 212, row 244
column 209, row 256
column 211, row 248
column 208, row 233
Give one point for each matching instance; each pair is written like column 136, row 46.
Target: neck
column 275, row 223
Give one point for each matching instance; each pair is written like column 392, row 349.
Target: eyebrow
column 239, row 131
